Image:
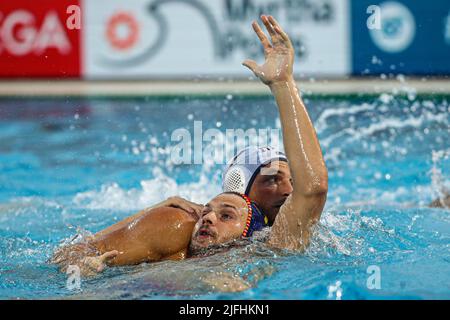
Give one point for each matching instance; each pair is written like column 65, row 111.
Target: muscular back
column 158, row 234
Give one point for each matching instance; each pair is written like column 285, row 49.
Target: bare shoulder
column 167, row 230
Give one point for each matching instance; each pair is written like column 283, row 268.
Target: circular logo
column 122, row 30
column 398, row 28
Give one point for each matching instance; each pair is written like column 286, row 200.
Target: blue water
column 67, row 164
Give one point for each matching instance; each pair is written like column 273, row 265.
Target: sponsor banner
column 39, row 38
column 203, row 38
column 188, row 38
column 402, row 36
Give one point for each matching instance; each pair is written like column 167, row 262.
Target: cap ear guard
column 256, row 220
column 234, row 180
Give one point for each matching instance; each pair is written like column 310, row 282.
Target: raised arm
column 291, row 229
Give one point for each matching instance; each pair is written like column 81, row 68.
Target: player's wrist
column 282, row 83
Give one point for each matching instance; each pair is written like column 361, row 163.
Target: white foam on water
column 112, row 196
column 321, row 123
column 439, row 186
column 385, row 124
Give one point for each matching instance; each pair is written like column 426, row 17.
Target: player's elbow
column 318, row 185
column 322, row 186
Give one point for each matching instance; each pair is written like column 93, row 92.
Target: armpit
column 289, row 230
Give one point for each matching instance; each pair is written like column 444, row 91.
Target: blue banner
column 406, row 37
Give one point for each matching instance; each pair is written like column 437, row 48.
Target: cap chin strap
column 249, row 216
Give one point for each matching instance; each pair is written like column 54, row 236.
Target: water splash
column 438, row 183
column 152, row 191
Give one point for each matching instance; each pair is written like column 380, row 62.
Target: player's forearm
column 300, row 140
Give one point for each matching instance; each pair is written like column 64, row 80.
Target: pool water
column 78, row 165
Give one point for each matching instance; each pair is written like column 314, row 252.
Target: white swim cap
column 242, row 170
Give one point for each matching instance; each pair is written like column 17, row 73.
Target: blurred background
column 196, row 39
column 92, row 91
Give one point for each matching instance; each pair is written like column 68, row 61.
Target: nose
column 286, row 187
column 209, row 218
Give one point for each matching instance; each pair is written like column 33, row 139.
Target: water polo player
column 289, row 197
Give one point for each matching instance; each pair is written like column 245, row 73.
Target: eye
column 226, row 216
column 271, row 180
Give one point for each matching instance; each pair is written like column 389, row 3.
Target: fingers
column 191, row 208
column 186, row 205
column 197, row 208
column 283, row 34
column 273, row 35
column 98, row 264
column 262, row 37
column 277, row 34
column 90, row 264
column 279, row 30
column 104, row 258
column 108, row 255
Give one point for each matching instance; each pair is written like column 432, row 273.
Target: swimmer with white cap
column 290, row 189
column 262, row 174
column 267, row 187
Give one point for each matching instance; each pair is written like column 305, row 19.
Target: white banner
column 192, row 38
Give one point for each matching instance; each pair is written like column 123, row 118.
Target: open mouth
column 205, row 233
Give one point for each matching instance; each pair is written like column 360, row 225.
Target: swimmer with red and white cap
column 265, row 187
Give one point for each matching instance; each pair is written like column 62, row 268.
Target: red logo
column 122, row 31
column 21, row 36
column 34, row 39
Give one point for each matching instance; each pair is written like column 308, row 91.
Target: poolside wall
column 185, row 39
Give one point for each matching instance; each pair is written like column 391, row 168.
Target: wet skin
column 223, row 219
column 161, row 233
column 165, row 233
column 303, row 207
column 271, row 188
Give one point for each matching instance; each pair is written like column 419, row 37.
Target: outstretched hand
column 279, row 53
column 93, row 265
